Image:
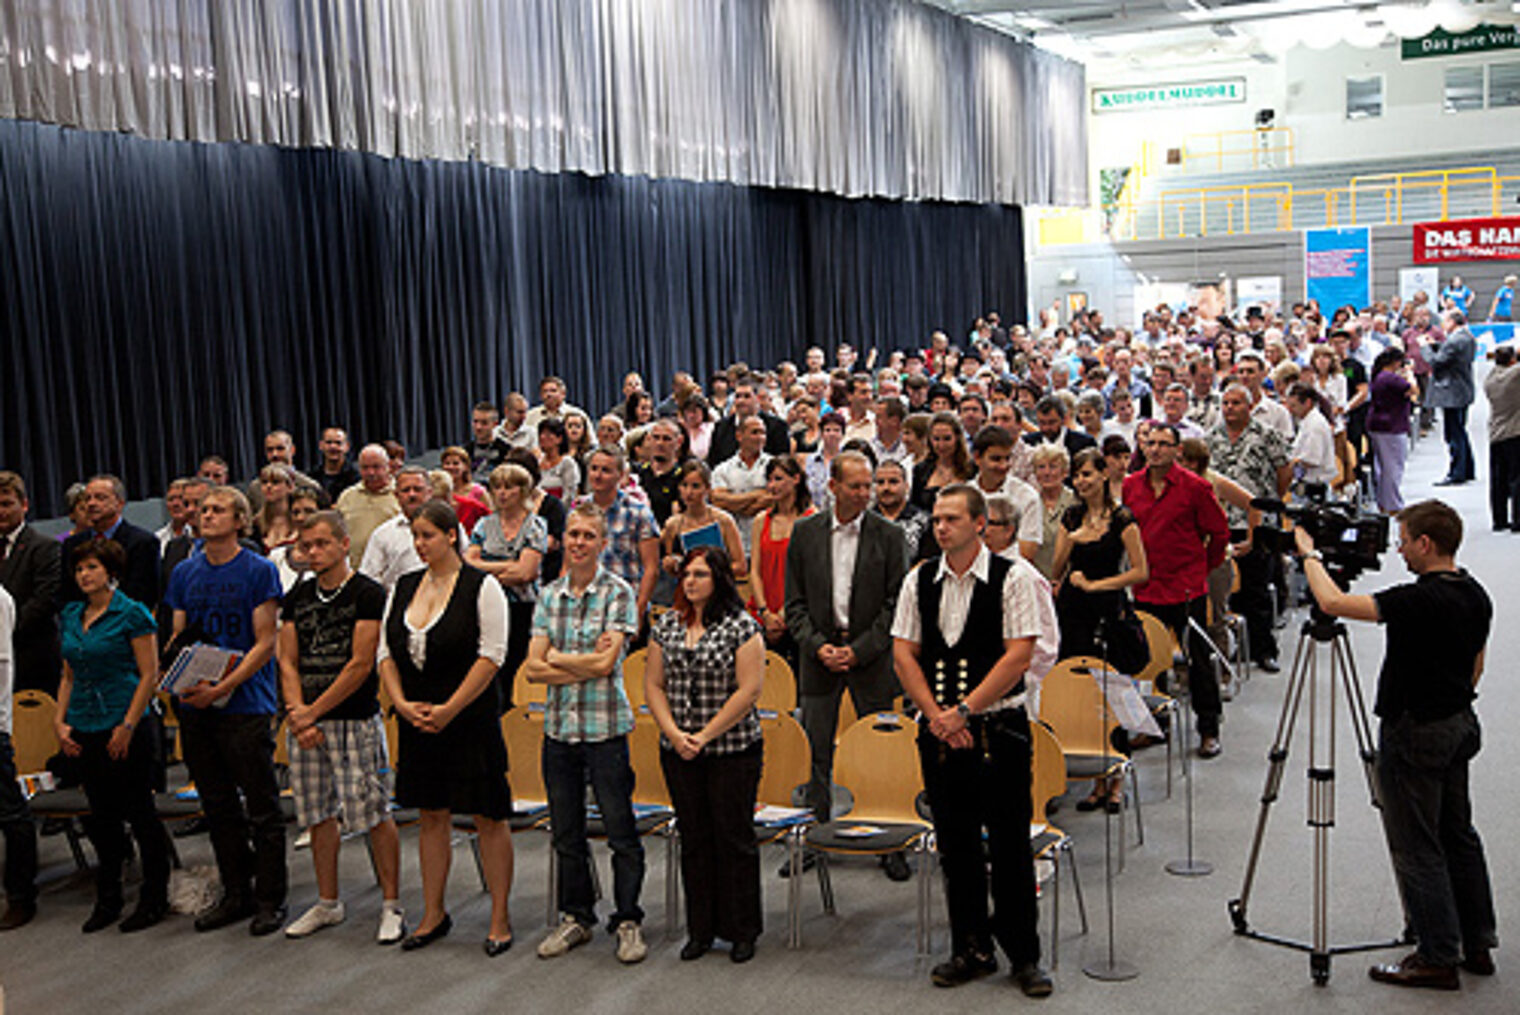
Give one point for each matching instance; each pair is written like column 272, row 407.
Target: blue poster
column 1338, row 267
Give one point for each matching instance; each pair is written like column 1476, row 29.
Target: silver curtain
column 883, row 98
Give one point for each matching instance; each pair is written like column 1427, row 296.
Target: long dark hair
column 725, row 598
column 787, row 464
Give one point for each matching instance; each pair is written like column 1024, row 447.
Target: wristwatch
column 964, row 709
column 1315, row 555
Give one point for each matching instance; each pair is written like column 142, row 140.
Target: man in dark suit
column 725, row 437
column 843, row 569
column 1050, row 416
column 29, row 566
column 1451, row 391
column 105, row 497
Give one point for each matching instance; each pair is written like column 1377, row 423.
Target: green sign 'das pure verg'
column 1483, row 39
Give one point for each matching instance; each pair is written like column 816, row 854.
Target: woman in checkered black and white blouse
column 702, row 680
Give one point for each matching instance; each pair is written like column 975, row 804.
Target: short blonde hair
column 510, row 474
column 1049, row 452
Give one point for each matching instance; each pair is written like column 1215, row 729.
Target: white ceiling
column 1113, row 38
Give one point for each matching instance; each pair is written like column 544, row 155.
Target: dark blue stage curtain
column 161, row 301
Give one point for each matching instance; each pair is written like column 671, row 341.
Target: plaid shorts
column 348, row 776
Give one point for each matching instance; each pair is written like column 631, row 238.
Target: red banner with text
column 1467, row 240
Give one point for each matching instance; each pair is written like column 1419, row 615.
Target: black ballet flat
column 412, row 942
column 494, row 948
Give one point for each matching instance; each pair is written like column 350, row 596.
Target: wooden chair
column 633, row 677
column 787, row 765
column 778, row 693
column 877, row 761
column 847, row 716
column 1072, row 706
column 1160, row 706
column 33, row 739
column 1046, row 841
column 525, row 692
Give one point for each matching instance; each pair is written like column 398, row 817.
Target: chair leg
column 794, row 888
column 1171, row 736
column 672, row 881
column 1134, row 782
column 1055, row 909
column 75, row 840
column 1076, row 884
column 551, row 911
column 825, row 886
column 924, row 931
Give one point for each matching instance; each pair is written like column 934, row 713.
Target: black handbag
column 1125, row 647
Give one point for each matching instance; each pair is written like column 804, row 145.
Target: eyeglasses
column 1000, row 523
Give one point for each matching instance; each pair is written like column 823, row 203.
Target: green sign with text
column 1176, row 96
column 1483, row 39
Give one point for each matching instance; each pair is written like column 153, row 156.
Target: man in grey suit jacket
column 29, row 569
column 840, row 613
column 1451, row 391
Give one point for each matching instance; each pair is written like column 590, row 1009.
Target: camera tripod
column 1319, row 631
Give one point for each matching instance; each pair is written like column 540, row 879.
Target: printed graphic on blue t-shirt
column 219, row 600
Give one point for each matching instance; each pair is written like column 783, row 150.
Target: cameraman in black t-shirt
column 1437, row 629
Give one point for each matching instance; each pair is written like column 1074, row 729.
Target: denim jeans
column 604, row 764
column 231, row 759
column 1427, row 816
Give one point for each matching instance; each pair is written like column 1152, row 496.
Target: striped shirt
column 586, row 711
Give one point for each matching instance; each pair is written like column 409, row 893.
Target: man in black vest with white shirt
column 966, row 633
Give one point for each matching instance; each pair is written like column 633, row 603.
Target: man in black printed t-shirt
column 339, row 764
column 1438, row 629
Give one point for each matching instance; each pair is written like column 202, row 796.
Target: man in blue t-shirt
column 1456, row 291
column 229, row 597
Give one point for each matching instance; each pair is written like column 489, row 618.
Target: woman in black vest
column 445, row 637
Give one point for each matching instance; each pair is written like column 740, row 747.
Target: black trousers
column 1504, row 482
column 986, row 786
column 1254, row 600
column 121, row 794
column 1203, row 679
column 19, row 830
column 714, row 798
column 820, row 720
column 229, row 755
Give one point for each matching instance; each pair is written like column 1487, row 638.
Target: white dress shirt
column 844, row 545
column 1314, row 448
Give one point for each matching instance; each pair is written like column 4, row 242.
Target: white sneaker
column 569, row 934
column 314, row 919
column 631, row 947
column 392, row 925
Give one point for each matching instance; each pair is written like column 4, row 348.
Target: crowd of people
column 940, row 522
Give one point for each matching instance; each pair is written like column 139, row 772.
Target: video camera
column 1350, row 540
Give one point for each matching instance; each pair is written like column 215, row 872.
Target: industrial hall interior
column 987, row 503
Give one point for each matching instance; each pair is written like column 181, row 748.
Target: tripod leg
column 1277, row 758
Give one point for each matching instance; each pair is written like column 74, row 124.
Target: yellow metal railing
column 1370, row 199
column 1260, row 148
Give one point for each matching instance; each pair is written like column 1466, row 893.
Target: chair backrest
column 1048, row 766
column 644, row 757
column 523, row 730
column 32, row 736
column 282, row 745
column 526, row 693
column 877, row 761
column 778, row 693
column 788, row 759
column 1162, row 644
column 633, row 676
column 1071, row 704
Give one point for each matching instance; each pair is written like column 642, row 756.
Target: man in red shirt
column 1185, row 535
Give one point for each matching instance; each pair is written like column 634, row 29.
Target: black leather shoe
column 1268, row 665
column 1479, row 962
column 146, row 915
column 494, row 947
column 896, row 867
column 18, row 914
column 1414, row 971
column 1033, row 981
column 101, row 917
column 694, row 949
column 267, row 920
column 412, row 942
column 224, row 914
column 1446, row 481
column 742, row 951
column 809, row 861
column 1209, row 747
column 962, row 969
